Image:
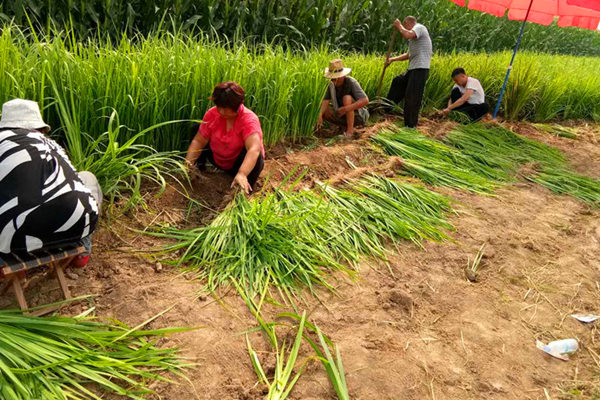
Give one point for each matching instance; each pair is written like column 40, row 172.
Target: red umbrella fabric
column 580, row 13
column 591, row 4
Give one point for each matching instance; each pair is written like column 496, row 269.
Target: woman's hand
column 242, row 180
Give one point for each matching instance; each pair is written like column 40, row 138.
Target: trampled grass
column 291, row 239
column 60, row 358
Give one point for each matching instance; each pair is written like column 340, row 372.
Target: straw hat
column 24, row 114
column 336, row 70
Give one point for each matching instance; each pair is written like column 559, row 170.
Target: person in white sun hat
column 44, row 202
column 345, row 102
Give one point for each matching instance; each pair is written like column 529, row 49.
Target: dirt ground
column 416, row 330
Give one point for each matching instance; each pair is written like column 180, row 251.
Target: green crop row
column 164, row 77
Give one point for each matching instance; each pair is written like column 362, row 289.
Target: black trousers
column 409, row 87
column 474, row 111
column 207, row 155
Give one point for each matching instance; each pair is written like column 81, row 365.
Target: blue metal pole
column 512, row 61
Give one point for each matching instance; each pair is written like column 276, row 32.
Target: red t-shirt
column 227, row 146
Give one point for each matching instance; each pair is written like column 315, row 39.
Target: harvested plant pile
column 289, row 238
column 501, row 148
column 438, row 164
column 58, row 358
column 562, row 181
column 481, row 156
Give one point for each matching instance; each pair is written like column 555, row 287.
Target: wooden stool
column 15, row 266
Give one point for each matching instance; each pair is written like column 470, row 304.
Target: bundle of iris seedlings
column 501, row 148
column 562, row 181
column 59, row 358
column 288, row 238
column 438, row 164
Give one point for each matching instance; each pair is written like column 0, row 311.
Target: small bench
column 15, row 266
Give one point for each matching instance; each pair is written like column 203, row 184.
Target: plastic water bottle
column 560, row 348
column 565, row 346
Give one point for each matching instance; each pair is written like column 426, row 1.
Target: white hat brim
column 334, row 75
column 31, row 125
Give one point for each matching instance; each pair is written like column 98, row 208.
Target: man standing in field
column 410, row 86
column 345, row 102
column 467, row 96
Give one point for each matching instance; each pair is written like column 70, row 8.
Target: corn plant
column 351, row 25
column 60, row 358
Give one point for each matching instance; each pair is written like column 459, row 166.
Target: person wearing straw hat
column 345, row 102
column 44, row 202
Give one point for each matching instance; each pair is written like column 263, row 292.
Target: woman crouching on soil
column 230, row 137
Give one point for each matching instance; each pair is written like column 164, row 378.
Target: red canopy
column 591, row 4
column 580, row 13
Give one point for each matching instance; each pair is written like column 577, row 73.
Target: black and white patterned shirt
column 43, row 203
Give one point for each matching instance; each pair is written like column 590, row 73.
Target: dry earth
column 415, row 330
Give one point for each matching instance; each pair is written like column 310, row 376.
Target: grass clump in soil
column 59, row 358
column 291, row 239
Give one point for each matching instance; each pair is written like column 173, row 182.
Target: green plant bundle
column 59, row 358
column 558, row 130
column 438, row 164
column 561, row 181
column 501, row 148
column 293, row 238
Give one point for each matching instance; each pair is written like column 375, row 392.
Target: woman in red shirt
column 230, row 137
